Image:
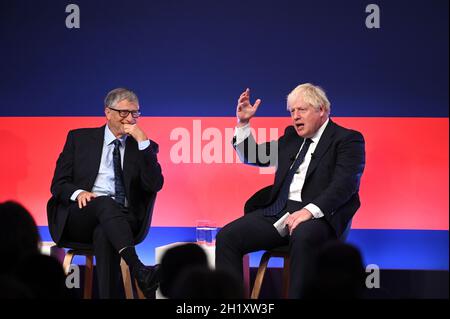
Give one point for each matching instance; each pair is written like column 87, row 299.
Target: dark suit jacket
column 77, row 168
column 333, row 176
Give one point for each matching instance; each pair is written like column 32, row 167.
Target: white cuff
column 143, row 145
column 75, row 195
column 314, row 210
column 241, row 133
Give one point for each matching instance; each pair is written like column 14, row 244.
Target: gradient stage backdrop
column 188, row 61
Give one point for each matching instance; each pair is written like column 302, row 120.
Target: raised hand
column 244, row 110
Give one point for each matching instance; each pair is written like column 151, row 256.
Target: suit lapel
column 322, row 147
column 95, row 154
column 131, row 153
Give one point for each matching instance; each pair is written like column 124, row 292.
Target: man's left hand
column 135, row 131
column 296, row 218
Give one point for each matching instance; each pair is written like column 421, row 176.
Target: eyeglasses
column 125, row 113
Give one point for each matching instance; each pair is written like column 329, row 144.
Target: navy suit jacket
column 333, row 176
column 77, row 168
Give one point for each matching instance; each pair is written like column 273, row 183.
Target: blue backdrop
column 193, row 57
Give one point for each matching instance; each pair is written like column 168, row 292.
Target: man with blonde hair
column 319, row 167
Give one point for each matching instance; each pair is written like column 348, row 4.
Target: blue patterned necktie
column 118, row 176
column 281, row 200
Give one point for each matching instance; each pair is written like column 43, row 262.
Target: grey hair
column 115, row 96
column 311, row 94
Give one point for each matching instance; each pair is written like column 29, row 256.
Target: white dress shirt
column 295, row 189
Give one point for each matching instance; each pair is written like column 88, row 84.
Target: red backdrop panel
column 405, row 184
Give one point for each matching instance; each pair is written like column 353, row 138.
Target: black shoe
column 148, row 278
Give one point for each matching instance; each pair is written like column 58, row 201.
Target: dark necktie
column 281, row 200
column 118, row 176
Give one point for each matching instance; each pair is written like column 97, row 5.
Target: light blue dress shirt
column 104, row 182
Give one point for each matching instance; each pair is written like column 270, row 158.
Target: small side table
column 49, row 248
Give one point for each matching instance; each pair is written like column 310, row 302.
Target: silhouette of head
column 175, row 261
column 19, row 235
column 339, row 272
column 44, row 276
column 204, row 283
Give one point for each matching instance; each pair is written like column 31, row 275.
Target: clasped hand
column 135, row 131
column 296, row 218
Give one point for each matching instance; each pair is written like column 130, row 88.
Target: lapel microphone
column 293, row 157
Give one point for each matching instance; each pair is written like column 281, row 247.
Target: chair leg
column 126, row 277
column 260, row 275
column 139, row 291
column 88, row 277
column 246, row 273
column 286, row 266
column 67, row 261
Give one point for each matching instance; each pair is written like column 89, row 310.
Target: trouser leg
column 107, row 261
column 109, row 228
column 250, row 233
column 305, row 243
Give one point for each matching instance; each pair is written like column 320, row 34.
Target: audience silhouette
column 339, row 273
column 24, row 272
column 175, row 261
column 205, row 283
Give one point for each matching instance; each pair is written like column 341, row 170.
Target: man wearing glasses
column 103, row 182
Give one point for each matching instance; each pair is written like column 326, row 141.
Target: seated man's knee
column 105, row 204
column 99, row 233
column 221, row 236
column 311, row 233
column 104, row 200
column 300, row 236
column 226, row 234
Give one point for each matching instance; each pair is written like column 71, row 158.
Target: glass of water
column 201, row 231
column 211, row 234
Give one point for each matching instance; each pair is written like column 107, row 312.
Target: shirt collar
column 318, row 134
column 109, row 137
